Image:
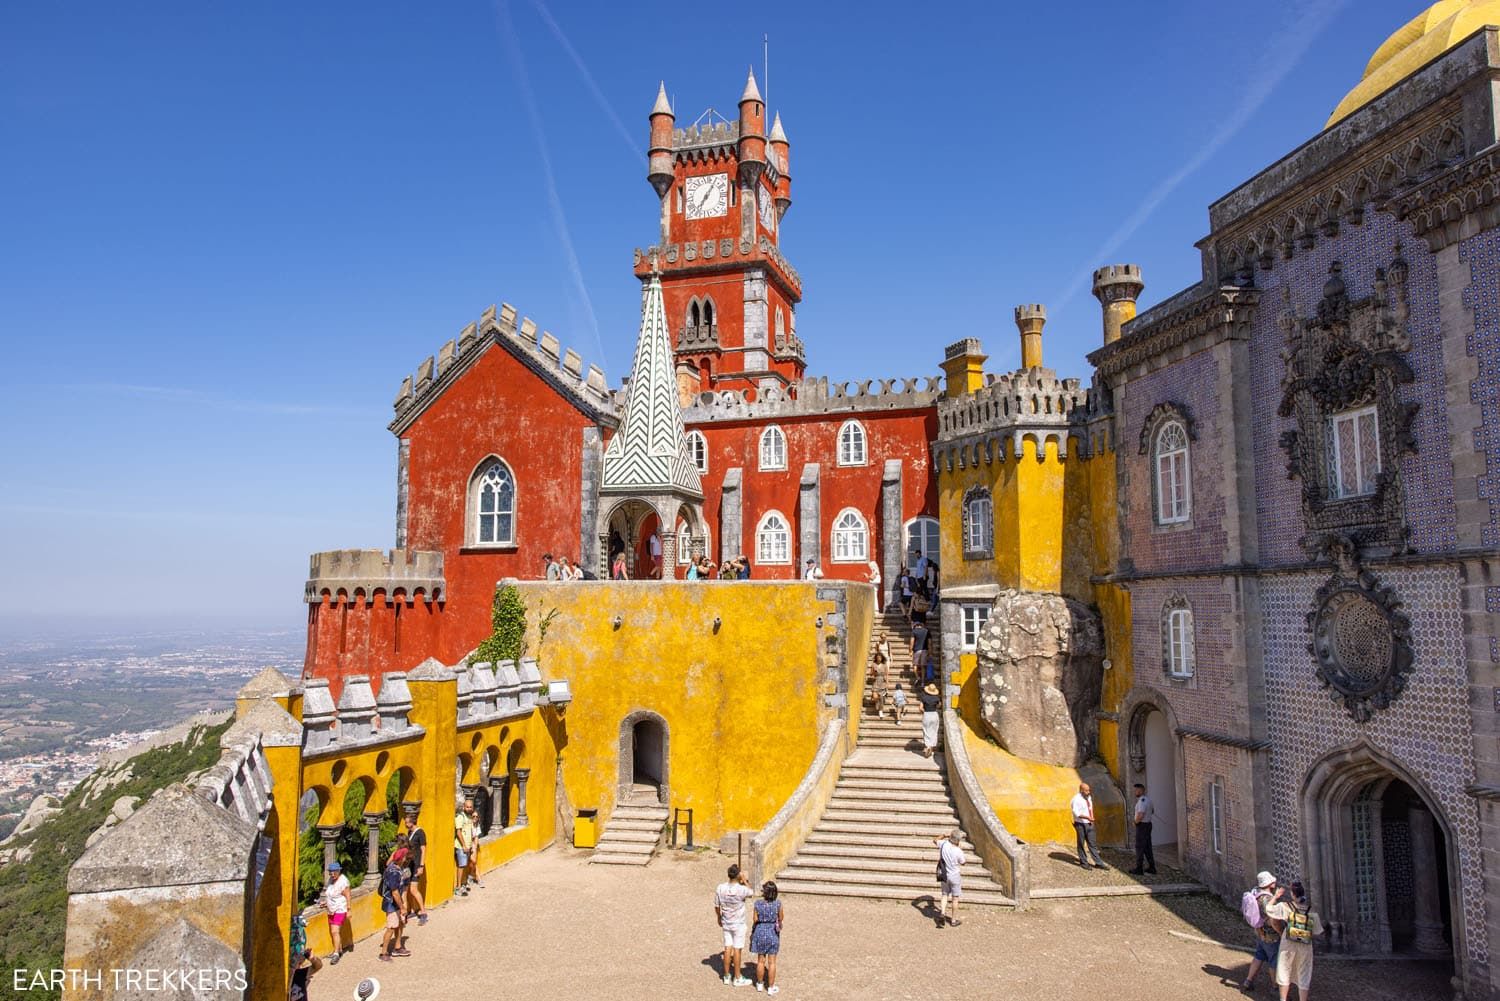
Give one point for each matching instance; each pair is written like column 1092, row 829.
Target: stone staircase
column 634, row 830
column 875, row 838
column 897, row 628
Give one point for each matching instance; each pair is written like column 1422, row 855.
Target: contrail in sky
column 1284, row 52
column 554, row 200
column 588, row 78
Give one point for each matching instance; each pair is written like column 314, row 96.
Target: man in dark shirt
column 416, row 843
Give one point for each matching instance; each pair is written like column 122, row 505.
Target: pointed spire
column 752, row 92
column 662, row 106
column 777, row 135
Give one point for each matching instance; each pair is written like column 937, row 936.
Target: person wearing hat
column 336, row 903
column 1300, row 924
column 811, row 570
column 931, row 701
column 1268, row 935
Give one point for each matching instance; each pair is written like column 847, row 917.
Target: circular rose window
column 1359, row 642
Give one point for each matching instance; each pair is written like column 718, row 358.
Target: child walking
column 898, row 703
column 765, row 937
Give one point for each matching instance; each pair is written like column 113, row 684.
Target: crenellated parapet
column 349, row 575
column 813, row 397
column 994, row 422
column 542, row 352
column 706, row 253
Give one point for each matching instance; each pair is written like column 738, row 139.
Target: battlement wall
column 349, row 574
column 543, row 353
column 814, row 397
column 708, row 251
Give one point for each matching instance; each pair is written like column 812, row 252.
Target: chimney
column 1029, row 320
column 963, row 364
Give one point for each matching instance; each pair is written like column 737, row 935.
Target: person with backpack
column 1254, row 907
column 1299, row 925
column 393, row 904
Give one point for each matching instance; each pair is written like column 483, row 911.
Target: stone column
column 411, row 808
column 372, row 862
column 1427, row 921
column 330, row 835
column 499, row 785
column 522, row 774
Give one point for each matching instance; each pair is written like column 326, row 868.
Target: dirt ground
column 550, row 926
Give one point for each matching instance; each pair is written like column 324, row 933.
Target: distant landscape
column 66, row 698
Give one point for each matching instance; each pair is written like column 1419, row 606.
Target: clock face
column 707, row 196
column 767, row 210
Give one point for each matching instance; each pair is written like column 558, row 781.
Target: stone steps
column 856, row 842
column 985, row 896
column 632, row 834
column 906, row 850
column 923, row 866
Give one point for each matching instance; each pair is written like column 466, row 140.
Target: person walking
column 416, row 842
column 653, row 546
column 904, row 588
column 898, row 703
column 1083, row 826
column 950, row 863
column 336, row 903
column 811, row 571
column 463, row 848
column 919, row 650
column 931, row 701
column 617, row 569
column 393, row 906
column 729, row 908
column 554, row 569
column 1145, row 815
column 305, row 966
column 874, row 578
column 765, row 936
column 1300, row 924
column 1267, row 894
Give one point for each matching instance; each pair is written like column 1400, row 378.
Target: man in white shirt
column 654, row 544
column 1083, row 826
column 1145, row 816
column 729, row 908
column 812, row 571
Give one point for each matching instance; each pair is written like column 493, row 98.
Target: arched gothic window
column 772, row 448
column 1173, row 485
column 851, row 537
column 492, row 505
column 773, row 539
column 922, row 538
column 1179, row 655
column 694, row 317
column 697, row 450
column 979, row 524
column 708, row 313
column 852, row 444
column 780, row 328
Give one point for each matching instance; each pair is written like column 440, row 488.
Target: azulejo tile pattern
column 1427, row 729
column 1427, row 475
column 1482, row 297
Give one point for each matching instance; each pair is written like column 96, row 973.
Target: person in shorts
column 1300, row 924
column 1268, row 935
column 393, row 904
column 416, row 842
column 336, row 903
column 729, row 908
column 951, row 859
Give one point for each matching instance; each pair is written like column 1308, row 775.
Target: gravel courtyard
column 550, row 926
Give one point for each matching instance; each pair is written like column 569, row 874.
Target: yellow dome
column 1415, row 44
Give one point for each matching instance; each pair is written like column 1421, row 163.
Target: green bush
column 352, row 846
column 508, row 620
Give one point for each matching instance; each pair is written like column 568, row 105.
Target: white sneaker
column 741, row 982
column 774, row 989
column 759, row 987
column 728, row 980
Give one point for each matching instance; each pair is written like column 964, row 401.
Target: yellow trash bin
column 586, row 829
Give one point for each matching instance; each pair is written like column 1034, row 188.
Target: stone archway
column 645, row 754
column 1380, row 857
column 1154, row 758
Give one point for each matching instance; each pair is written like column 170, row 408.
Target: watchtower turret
column 1117, row 287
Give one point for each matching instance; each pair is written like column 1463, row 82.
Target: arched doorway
column 632, row 526
column 1155, row 762
column 644, row 758
column 1380, row 859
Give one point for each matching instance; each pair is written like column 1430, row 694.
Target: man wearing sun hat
column 1268, row 935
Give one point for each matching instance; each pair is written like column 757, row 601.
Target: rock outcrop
column 1041, row 660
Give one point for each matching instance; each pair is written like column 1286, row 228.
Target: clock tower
column 730, row 296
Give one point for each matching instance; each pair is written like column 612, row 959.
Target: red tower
column 730, row 296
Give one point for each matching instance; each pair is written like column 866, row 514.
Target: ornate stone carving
column 1349, row 356
column 1361, row 641
column 1160, row 414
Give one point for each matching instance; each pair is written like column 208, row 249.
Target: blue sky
column 228, row 230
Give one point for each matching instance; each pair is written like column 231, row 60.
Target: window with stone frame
column 772, row 449
column 851, row 537
column 1179, row 656
column 697, row 450
column 979, row 524
column 1353, row 453
column 1216, row 815
column 773, row 539
column 974, row 619
column 1173, row 474
column 852, row 450
column 492, row 505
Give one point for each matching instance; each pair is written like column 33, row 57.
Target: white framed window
column 492, row 501
column 974, row 618
column 772, row 448
column 697, row 450
column 1353, row 452
column 979, row 524
column 685, row 543
column 1179, row 642
column 922, row 538
column 851, row 537
column 1216, row 815
column 852, row 444
column 1173, row 491
column 773, row 539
